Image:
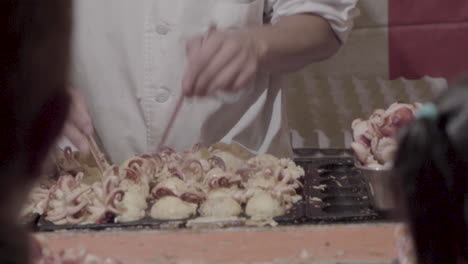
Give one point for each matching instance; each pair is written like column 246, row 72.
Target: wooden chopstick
column 211, row 29
column 99, row 157
column 171, row 122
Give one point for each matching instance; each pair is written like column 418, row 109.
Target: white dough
column 134, row 203
column 172, row 208
column 263, row 205
column 261, row 183
column 220, row 207
column 219, row 193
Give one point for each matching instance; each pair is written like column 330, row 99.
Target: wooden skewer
column 98, row 155
column 171, row 122
column 211, row 29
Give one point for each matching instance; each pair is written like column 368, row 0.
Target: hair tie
column 428, row 111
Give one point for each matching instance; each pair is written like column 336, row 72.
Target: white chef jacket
column 129, row 58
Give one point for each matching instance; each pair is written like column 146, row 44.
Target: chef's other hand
column 220, row 61
column 79, row 124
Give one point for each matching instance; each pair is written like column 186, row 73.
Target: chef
column 132, row 60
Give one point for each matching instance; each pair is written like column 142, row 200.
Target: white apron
column 129, row 59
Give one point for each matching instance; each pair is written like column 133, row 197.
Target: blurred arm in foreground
column 432, row 168
column 34, row 53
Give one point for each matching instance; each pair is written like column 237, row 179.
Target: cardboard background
column 399, row 50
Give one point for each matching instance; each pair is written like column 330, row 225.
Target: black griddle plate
column 147, row 222
column 327, row 152
column 293, row 217
column 335, row 192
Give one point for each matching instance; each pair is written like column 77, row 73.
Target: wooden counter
column 367, row 243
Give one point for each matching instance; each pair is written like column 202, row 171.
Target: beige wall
column 324, row 98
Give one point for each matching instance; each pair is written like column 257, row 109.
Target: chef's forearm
column 294, row 42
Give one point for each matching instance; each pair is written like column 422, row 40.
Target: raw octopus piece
column 38, row 201
column 217, row 178
column 135, row 185
column 177, row 188
column 67, row 162
column 213, row 179
column 170, row 187
column 67, row 200
column 103, row 205
column 194, row 170
column 230, row 162
column 374, row 139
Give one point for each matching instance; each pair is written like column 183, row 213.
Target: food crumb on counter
column 321, row 187
column 315, row 199
column 304, row 254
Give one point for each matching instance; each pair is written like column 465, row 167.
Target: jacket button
column 162, row 29
column 162, row 95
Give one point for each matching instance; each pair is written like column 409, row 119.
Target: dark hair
column 34, row 54
column 431, row 167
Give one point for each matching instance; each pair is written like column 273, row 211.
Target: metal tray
column 147, row 222
column 293, row 217
column 30, row 221
column 322, row 152
column 336, row 192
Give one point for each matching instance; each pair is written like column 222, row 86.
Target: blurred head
column 432, row 170
column 34, row 51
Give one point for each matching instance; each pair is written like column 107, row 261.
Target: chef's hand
column 79, row 124
column 220, row 61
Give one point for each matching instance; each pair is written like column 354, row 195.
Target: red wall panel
column 437, row 51
column 427, row 11
column 428, row 37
